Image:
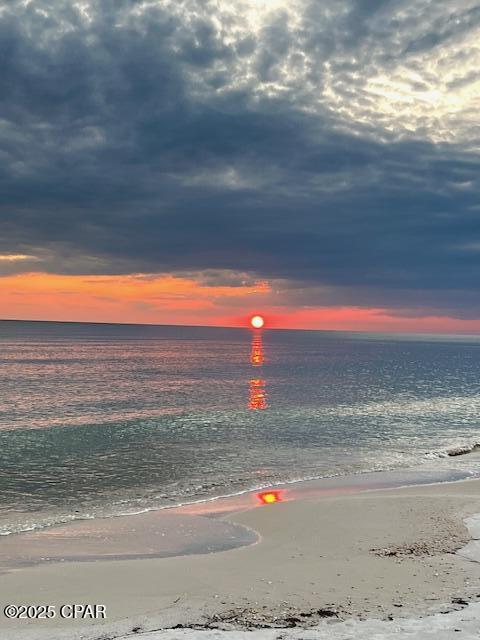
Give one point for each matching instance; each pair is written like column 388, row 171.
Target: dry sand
column 380, row 554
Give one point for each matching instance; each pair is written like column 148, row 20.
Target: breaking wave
column 459, row 450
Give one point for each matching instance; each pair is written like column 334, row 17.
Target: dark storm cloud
column 174, row 137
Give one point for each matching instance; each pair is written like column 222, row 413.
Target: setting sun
column 257, row 322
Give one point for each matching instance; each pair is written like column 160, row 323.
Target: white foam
column 454, row 451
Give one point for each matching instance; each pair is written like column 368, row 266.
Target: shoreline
column 318, row 552
column 422, row 475
column 46, row 540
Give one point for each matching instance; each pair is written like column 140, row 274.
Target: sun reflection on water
column 257, row 392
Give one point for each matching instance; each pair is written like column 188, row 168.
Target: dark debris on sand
column 264, row 618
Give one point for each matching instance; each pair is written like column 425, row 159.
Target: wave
column 183, row 499
column 459, row 450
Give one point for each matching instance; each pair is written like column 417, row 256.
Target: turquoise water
column 99, row 420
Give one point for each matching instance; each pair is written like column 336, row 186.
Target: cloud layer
column 331, row 148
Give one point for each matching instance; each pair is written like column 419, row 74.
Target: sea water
column 101, row 420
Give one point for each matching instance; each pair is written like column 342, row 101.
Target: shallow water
column 99, row 420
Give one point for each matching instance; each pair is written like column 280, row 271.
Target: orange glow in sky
column 137, row 298
column 172, row 299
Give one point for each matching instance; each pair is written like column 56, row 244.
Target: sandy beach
column 317, row 562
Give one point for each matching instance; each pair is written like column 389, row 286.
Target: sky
column 196, row 161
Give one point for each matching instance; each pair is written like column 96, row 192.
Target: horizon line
column 211, row 326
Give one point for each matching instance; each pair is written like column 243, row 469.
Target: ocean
column 98, row 420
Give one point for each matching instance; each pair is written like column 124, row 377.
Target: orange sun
column 257, row 322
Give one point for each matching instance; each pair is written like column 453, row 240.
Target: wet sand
column 382, row 554
column 158, row 534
